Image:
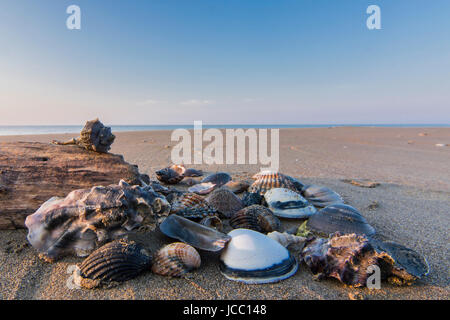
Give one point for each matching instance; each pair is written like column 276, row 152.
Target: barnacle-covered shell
column 195, row 234
column 175, row 260
column 212, row 222
column 88, row 218
column 225, row 201
column 265, row 182
column 255, row 217
column 169, row 175
column 339, row 217
column 286, row 239
column 191, row 205
column 251, row 198
column 114, row 262
column 287, row 203
column 252, row 257
column 321, row 196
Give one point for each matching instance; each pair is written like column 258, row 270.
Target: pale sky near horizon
column 224, row 62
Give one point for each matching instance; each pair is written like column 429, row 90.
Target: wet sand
column 413, row 202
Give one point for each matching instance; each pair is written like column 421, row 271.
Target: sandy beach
column 413, row 203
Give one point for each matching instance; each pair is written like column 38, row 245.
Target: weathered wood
column 32, row 172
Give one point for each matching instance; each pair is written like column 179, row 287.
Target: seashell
column 213, row 222
column 268, row 181
column 286, row 239
column 193, row 173
column 94, row 137
column 348, row 258
column 225, row 201
column 193, row 233
column 321, row 196
column 115, row 262
column 211, row 182
column 202, row 188
column 175, row 260
column 237, row 186
column 169, row 175
column 339, row 217
column 88, row 218
column 191, row 205
column 255, row 217
column 250, row 199
column 252, row 257
column 287, row 203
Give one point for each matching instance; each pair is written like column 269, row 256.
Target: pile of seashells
column 333, row 239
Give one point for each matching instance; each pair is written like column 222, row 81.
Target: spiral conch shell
column 286, row 239
column 176, row 259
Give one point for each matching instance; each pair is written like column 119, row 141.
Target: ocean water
column 24, row 130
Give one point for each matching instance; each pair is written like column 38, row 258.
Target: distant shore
column 410, row 206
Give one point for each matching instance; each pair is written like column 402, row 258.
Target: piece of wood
column 32, row 172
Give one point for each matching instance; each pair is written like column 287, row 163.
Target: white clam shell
column 287, row 203
column 253, row 258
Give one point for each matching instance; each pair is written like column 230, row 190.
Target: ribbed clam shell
column 175, row 260
column 253, row 258
column 212, row 222
column 287, row 203
column 191, row 205
column 255, row 217
column 193, row 233
column 339, row 217
column 169, row 176
column 225, row 201
column 116, row 261
column 269, row 181
column 321, row 196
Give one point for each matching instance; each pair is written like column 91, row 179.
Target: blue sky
column 228, row 61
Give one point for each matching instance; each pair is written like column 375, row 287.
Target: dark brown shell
column 268, row 181
column 255, row 217
column 321, row 196
column 250, row 199
column 169, row 176
column 225, row 202
column 191, row 205
column 116, row 261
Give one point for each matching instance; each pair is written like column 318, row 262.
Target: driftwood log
column 31, row 173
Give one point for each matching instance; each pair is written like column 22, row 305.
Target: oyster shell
column 255, row 217
column 287, row 203
column 193, row 233
column 114, row 262
column 225, row 201
column 88, row 218
column 321, row 196
column 265, row 182
column 191, row 205
column 175, row 260
column 252, row 257
column 339, row 217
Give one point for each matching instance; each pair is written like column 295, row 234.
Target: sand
column 412, row 208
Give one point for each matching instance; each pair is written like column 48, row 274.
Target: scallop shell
column 191, row 205
column 287, row 203
column 255, row 217
column 225, row 201
column 253, row 258
column 271, row 180
column 176, row 259
column 321, row 196
column 339, row 217
column 169, row 175
column 212, row 222
column 193, row 233
column 114, row 262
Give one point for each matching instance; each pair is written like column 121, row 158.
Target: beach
column 409, row 206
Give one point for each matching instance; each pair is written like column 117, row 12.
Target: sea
column 56, row 129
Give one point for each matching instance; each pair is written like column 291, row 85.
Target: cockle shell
column 195, row 234
column 339, row 217
column 255, row 217
column 252, row 257
column 88, row 218
column 224, row 201
column 321, row 196
column 175, row 260
column 287, row 203
column 269, row 181
column 212, row 222
column 114, row 262
column 191, row 205
column 286, row 239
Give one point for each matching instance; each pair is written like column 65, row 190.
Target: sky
column 224, row 62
